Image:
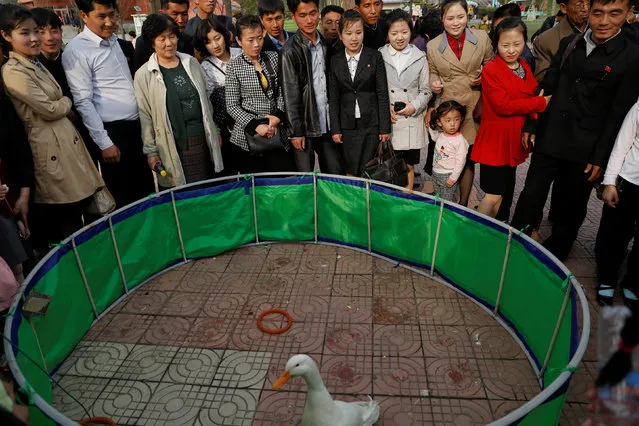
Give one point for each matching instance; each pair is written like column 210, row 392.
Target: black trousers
column 572, row 194
column 278, row 160
column 51, row 223
column 617, row 227
column 328, row 154
column 130, row 179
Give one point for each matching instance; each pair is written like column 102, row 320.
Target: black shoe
column 605, row 294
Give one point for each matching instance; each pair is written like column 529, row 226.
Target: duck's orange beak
column 281, row 381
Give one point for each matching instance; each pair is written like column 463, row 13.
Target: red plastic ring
column 274, row 331
column 101, row 420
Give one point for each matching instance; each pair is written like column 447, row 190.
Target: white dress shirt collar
column 392, row 51
column 355, row 56
column 99, row 41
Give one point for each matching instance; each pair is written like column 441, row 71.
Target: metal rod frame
column 117, row 256
column 511, row 418
column 315, row 205
column 503, row 271
column 257, row 233
column 177, row 224
column 368, row 215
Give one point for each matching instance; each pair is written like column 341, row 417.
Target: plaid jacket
column 247, row 102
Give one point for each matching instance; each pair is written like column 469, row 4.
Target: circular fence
column 528, row 291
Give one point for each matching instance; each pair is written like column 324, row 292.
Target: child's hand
column 385, row 137
column 450, row 182
column 393, row 115
column 427, row 116
column 337, row 138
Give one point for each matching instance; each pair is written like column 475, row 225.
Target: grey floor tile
column 95, row 359
column 194, row 366
column 146, row 362
column 226, row 407
column 124, row 401
column 242, row 369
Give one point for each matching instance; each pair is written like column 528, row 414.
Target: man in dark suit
column 178, row 10
column 375, row 30
column 205, row 10
column 272, row 16
column 592, row 80
column 303, row 64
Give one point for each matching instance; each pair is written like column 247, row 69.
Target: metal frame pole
column 177, row 224
column 553, row 340
column 257, row 234
column 503, row 271
column 117, row 256
column 439, row 225
column 315, row 204
column 368, row 214
column 84, row 278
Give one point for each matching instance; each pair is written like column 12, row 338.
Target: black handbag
column 260, row 144
column 387, row 166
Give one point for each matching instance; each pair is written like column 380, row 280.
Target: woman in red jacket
column 508, row 90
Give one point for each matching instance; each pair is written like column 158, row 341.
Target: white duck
column 320, row 408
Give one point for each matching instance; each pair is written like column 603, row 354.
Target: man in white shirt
column 102, row 87
column 620, row 216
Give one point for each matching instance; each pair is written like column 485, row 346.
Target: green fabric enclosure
column 213, row 219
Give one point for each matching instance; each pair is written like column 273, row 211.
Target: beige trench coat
column 456, row 74
column 64, row 171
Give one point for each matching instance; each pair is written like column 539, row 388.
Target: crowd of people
column 207, row 97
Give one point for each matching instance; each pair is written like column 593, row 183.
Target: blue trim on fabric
column 477, row 218
column 541, row 256
column 295, row 180
column 574, row 324
column 356, row 183
column 194, row 193
column 91, row 232
column 132, row 211
column 398, row 194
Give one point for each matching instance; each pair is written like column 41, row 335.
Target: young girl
column 451, row 147
column 508, row 98
column 407, row 73
column 358, row 96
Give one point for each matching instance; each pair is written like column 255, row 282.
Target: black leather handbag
column 387, row 166
column 260, row 144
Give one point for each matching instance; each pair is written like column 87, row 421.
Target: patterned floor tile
column 439, row 312
column 399, row 376
column 381, row 266
column 441, row 341
column 454, row 377
column 242, row 369
column 348, row 339
column 286, row 249
column 430, row 289
column 305, row 308
column 246, row 263
column 168, row 281
column 502, row 408
column 396, row 411
column 393, row 286
column 457, row 412
column 210, row 333
column 212, row 264
column 280, row 408
column 494, row 342
column 229, row 407
column 259, row 250
column 574, row 414
column 351, row 310
column 174, row 405
column 582, row 381
column 256, row 304
column 95, row 359
column 397, row 340
column 350, row 374
column 123, row 401
column 200, row 282
column 356, row 263
column 278, row 363
column 394, row 311
column 96, row 329
column 146, row 302
column 317, row 264
column 224, row 306
column 146, row 362
column 167, row 331
column 184, row 305
column 280, row 285
column 508, row 379
column 127, row 328
column 353, row 286
column 474, row 315
column 281, row 263
column 305, row 338
column 194, row 366
column 313, row 284
column 319, row 250
column 84, row 389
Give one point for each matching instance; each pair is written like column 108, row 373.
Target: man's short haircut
column 164, row 4
column 247, row 22
column 133, row 34
column 45, row 17
column 267, row 7
column 631, row 3
column 86, row 6
column 509, row 9
column 293, row 4
column 349, row 18
column 399, row 15
column 201, row 36
column 155, row 24
column 331, row 8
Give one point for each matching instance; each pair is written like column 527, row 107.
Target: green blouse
column 183, row 105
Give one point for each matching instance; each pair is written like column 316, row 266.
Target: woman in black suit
column 358, row 96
